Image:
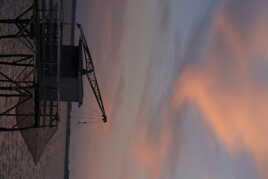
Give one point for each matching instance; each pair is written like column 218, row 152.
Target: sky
column 184, row 86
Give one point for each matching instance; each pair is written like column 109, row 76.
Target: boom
column 89, row 71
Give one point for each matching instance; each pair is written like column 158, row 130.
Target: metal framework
column 39, row 30
column 89, row 72
column 32, row 90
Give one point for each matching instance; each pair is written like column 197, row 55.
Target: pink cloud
column 225, row 90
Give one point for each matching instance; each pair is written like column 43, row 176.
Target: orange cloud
column 150, row 154
column 224, row 88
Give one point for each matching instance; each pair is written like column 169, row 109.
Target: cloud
column 226, row 83
column 225, row 87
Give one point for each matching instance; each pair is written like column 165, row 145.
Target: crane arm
column 89, row 71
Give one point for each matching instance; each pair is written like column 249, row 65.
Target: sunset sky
column 185, row 87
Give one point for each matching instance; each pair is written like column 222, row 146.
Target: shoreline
column 67, row 141
column 69, row 104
